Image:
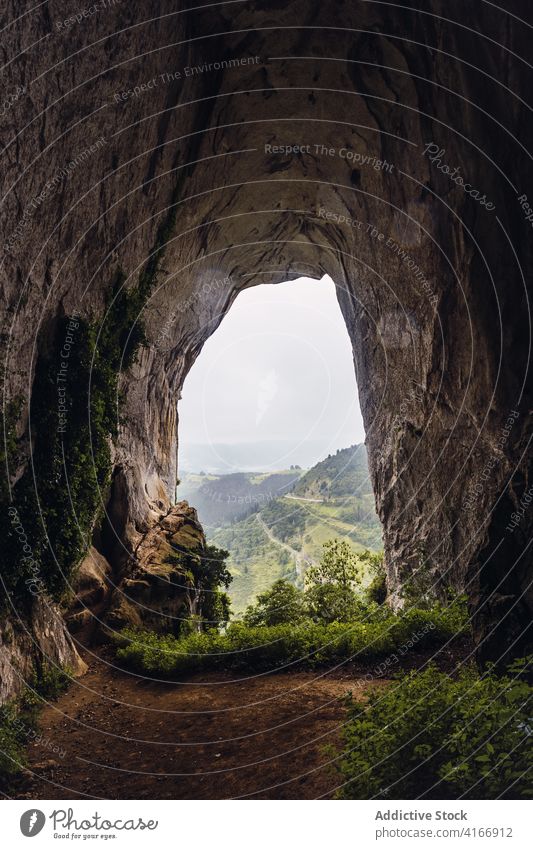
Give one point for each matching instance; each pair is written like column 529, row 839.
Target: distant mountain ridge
column 269, row 456
column 274, row 525
column 222, row 499
column 341, row 474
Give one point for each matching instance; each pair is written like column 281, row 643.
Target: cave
column 181, row 156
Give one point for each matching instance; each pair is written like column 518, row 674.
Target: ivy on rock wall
column 73, row 420
column 47, row 520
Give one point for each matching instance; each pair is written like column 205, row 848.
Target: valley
column 275, row 524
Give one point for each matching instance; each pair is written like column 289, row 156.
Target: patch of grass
column 433, row 737
column 307, row 644
column 18, row 719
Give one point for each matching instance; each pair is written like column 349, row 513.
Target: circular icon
column 32, row 822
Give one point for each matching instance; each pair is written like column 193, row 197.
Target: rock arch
column 249, row 141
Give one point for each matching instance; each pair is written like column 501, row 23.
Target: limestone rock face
column 93, row 586
column 26, row 643
column 275, row 140
column 158, row 588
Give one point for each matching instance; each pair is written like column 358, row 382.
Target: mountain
column 275, row 524
column 221, row 499
column 342, row 474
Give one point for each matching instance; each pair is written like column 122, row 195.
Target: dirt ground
column 216, row 737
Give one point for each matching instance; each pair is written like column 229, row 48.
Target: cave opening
column 271, row 436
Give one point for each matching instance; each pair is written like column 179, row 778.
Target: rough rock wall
column 26, row 643
column 136, row 117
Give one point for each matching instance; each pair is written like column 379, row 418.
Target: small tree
column 211, row 576
column 333, row 603
column 339, row 565
column 282, row 603
column 377, row 589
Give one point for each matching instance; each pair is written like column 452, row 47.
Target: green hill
column 222, row 499
column 274, row 525
column 342, row 474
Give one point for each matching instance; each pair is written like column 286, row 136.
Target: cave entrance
column 271, row 437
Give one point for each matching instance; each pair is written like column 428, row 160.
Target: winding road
column 299, row 558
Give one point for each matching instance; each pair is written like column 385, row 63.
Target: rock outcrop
column 92, row 587
column 28, row 642
column 158, row 589
column 204, row 151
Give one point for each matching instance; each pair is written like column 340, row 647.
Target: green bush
column 434, row 737
column 12, row 740
column 307, row 643
column 282, row 604
column 333, row 603
column 18, row 719
column 208, row 574
column 377, row 589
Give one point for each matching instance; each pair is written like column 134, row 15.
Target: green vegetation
column 331, row 594
column 338, row 565
column 430, row 736
column 377, row 588
column 255, row 561
column 340, row 475
column 206, row 575
column 332, row 603
column 307, row 644
column 287, row 521
column 8, row 446
column 215, row 604
column 279, row 537
column 283, row 603
column 18, row 720
column 223, row 499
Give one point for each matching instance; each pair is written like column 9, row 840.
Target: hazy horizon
column 278, row 371
column 225, row 458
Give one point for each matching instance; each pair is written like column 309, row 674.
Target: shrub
column 377, row 589
column 434, row 737
column 12, row 739
column 209, row 577
column 281, row 604
column 334, row 603
column 18, row 719
column 307, row 643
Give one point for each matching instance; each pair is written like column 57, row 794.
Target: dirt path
column 298, row 557
column 301, row 498
column 121, row 736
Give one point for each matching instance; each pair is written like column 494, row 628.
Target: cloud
column 268, row 389
column 279, row 367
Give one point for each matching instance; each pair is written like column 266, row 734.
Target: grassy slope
column 342, row 505
column 255, row 561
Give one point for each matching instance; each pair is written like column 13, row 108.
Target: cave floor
column 117, row 735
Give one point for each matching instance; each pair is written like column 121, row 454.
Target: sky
column 278, row 373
